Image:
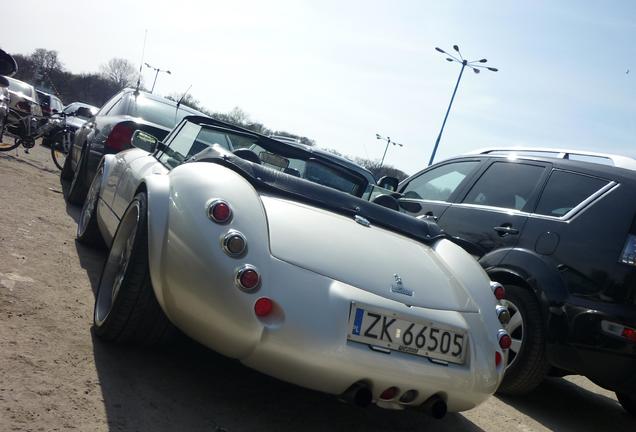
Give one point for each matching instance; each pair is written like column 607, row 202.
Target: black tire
column 133, row 315
column 87, row 230
column 628, row 402
column 67, row 172
column 527, row 369
column 58, row 153
column 78, row 188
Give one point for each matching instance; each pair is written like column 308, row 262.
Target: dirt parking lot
column 55, row 376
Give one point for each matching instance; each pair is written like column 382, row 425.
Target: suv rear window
column 565, row 190
column 505, row 184
column 160, row 113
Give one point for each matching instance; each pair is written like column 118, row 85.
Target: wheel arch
column 157, row 190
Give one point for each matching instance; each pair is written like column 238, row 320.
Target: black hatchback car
column 110, row 131
column 558, row 229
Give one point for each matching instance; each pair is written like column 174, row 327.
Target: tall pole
column 388, row 141
column 155, row 81
column 439, row 137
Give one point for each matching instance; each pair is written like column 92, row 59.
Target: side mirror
column 8, row 66
column 144, row 140
column 389, row 183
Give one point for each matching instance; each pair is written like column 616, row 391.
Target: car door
column 430, row 192
column 492, row 212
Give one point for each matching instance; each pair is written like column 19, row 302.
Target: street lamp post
column 388, row 141
column 157, row 70
column 471, row 64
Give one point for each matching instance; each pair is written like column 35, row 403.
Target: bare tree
column 46, row 61
column 120, row 72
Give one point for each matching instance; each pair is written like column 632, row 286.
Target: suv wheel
column 628, row 402
column 527, row 361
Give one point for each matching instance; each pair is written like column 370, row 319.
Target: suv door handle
column 505, row 230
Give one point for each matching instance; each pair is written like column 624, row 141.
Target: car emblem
column 398, row 287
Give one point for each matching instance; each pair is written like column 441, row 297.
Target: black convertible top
column 276, row 183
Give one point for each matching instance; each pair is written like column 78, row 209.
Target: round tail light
column 263, row 307
column 505, row 341
column 234, row 243
column 219, row 211
column 503, row 314
column 248, row 278
column 409, row 396
column 498, row 358
column 498, row 290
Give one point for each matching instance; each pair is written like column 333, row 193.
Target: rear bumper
column 585, row 348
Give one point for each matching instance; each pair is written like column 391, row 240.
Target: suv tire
column 530, row 365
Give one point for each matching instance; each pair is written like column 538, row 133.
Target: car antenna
column 141, row 64
column 176, row 110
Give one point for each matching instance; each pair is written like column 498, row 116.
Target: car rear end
column 323, row 300
column 23, row 103
column 598, row 263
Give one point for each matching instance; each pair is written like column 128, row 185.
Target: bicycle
column 26, row 129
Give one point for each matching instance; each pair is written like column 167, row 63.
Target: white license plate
column 377, row 327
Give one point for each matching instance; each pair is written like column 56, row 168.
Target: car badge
column 398, row 287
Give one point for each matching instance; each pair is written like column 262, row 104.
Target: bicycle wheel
column 9, row 143
column 59, row 150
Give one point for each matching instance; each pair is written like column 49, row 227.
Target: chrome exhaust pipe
column 435, row 406
column 358, row 394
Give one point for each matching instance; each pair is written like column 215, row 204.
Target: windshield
column 20, row 87
column 80, row 110
column 310, row 168
column 164, row 114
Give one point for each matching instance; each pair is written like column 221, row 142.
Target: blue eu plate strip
column 357, row 323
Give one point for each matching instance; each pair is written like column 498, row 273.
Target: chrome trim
column 362, row 221
column 582, row 206
column 212, row 203
column 225, row 240
column 509, row 211
column 237, row 278
column 502, row 314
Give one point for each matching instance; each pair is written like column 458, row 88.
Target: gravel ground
column 55, row 376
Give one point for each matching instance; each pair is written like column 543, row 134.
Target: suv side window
column 507, row 185
column 439, row 183
column 565, row 190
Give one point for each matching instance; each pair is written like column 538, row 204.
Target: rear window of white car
column 21, row 87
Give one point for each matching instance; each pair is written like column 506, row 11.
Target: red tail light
column 498, row 290
column 389, row 393
column 219, row 211
column 23, row 106
column 247, row 278
column 498, row 358
column 629, row 333
column 119, row 137
column 505, row 341
column 263, row 307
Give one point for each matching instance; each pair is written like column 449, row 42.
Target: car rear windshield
column 153, row 111
column 20, row 87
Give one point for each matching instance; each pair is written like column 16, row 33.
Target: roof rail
column 559, row 153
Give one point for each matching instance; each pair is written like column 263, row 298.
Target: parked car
column 8, row 67
column 289, row 272
column 558, row 229
column 76, row 113
column 50, row 104
column 110, row 129
column 24, row 100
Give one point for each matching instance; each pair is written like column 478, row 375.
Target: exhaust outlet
column 358, row 394
column 435, row 406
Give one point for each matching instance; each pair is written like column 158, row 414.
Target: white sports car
column 265, row 252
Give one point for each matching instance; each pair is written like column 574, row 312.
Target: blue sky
column 342, row 71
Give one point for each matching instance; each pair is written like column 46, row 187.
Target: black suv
column 558, row 230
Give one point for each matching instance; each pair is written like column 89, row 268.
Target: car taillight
column 263, row 307
column 505, row 341
column 234, row 243
column 498, row 358
column 219, row 211
column 23, row 106
column 247, row 278
column 503, row 314
column 389, row 393
column 119, row 137
column 620, row 330
column 498, row 290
